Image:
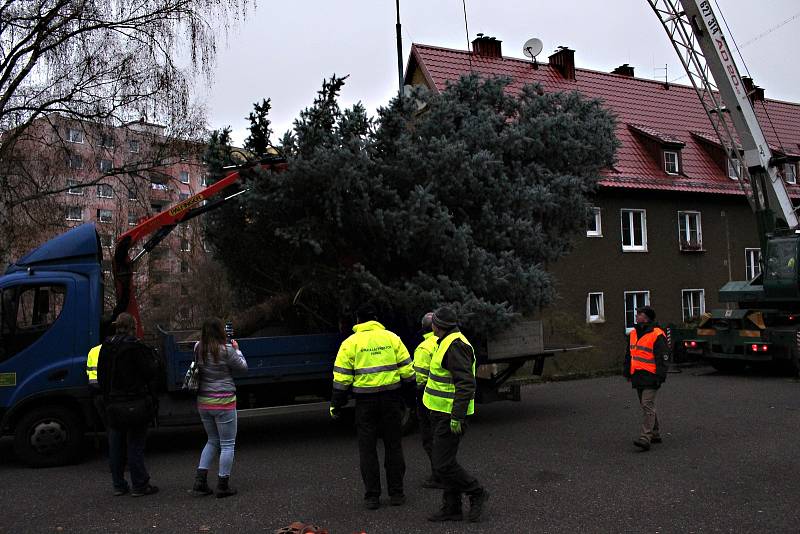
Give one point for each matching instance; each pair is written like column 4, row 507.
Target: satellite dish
column 532, row 48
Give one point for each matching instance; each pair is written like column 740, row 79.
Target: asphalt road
column 562, row 460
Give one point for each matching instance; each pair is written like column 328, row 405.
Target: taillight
column 759, row 348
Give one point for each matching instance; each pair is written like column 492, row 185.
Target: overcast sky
column 283, row 50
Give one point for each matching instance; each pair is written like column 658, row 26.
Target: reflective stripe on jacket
column 422, row 358
column 440, row 390
column 642, row 355
column 91, row 364
column 371, row 360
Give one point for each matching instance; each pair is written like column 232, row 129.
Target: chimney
column 754, row 92
column 487, row 46
column 624, row 70
column 563, row 60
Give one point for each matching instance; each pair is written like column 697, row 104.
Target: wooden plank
column 523, row 339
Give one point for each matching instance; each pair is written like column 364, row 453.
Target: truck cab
column 50, row 307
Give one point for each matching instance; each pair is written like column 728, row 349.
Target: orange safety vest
column 642, row 356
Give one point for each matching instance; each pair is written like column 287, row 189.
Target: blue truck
column 51, row 310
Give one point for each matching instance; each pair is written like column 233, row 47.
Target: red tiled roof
column 672, row 114
column 654, row 134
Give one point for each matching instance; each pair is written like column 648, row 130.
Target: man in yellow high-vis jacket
column 450, row 397
column 91, row 366
column 375, row 366
column 422, row 362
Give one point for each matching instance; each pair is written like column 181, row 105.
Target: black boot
column 451, row 509
column 201, row 483
column 223, row 489
column 477, row 502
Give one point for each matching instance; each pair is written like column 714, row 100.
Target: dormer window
column 734, row 169
column 790, row 172
column 671, row 162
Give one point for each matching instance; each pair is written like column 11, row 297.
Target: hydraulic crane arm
column 159, row 226
column 700, row 43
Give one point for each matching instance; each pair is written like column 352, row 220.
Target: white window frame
column 701, row 307
column 684, row 234
column 102, row 189
column 132, row 219
column 101, row 212
column 752, row 263
column 204, row 180
column 790, row 172
column 600, row 317
column 71, row 182
column 734, row 168
column 629, row 221
column 133, row 146
column 105, row 167
column 72, row 159
column 106, row 237
column 598, row 224
column 188, row 177
column 636, row 305
column 74, row 135
column 103, row 141
column 668, row 163
column 71, row 217
column 186, row 245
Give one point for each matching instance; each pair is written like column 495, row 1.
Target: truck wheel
column 49, row 436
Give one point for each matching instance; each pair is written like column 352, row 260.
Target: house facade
column 671, row 223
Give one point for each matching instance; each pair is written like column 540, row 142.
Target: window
column 158, row 183
column 184, row 266
column 690, row 235
column 634, row 230
column 73, row 187
column 183, row 196
column 694, row 303
column 106, row 141
column 734, row 169
column 104, row 216
column 634, row 300
column 752, row 261
column 74, row 161
column 105, row 191
column 74, row 213
column 74, row 135
column 104, row 165
column 671, row 164
column 594, row 308
column 106, row 240
column 184, row 177
column 133, row 146
column 204, row 180
column 27, row 314
column 185, row 245
column 790, row 173
column 595, row 228
column 131, row 194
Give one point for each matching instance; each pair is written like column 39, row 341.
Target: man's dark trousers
column 445, row 464
column 425, row 427
column 380, row 414
column 133, row 440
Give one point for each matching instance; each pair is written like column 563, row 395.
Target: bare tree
column 89, row 78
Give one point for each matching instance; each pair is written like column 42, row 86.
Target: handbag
column 191, row 380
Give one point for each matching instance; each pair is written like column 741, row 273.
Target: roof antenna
column 466, row 28
column 531, row 49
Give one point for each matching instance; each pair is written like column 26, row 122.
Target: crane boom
column 700, row 43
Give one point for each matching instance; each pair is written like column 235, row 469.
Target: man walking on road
column 646, row 362
column 376, row 366
column 449, row 395
column 422, row 362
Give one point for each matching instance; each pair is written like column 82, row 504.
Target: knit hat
column 445, row 318
column 648, row 311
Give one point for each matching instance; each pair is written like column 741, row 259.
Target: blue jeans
column 134, row 438
column 220, row 426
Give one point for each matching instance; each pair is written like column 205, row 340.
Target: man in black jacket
column 126, row 369
column 646, row 362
